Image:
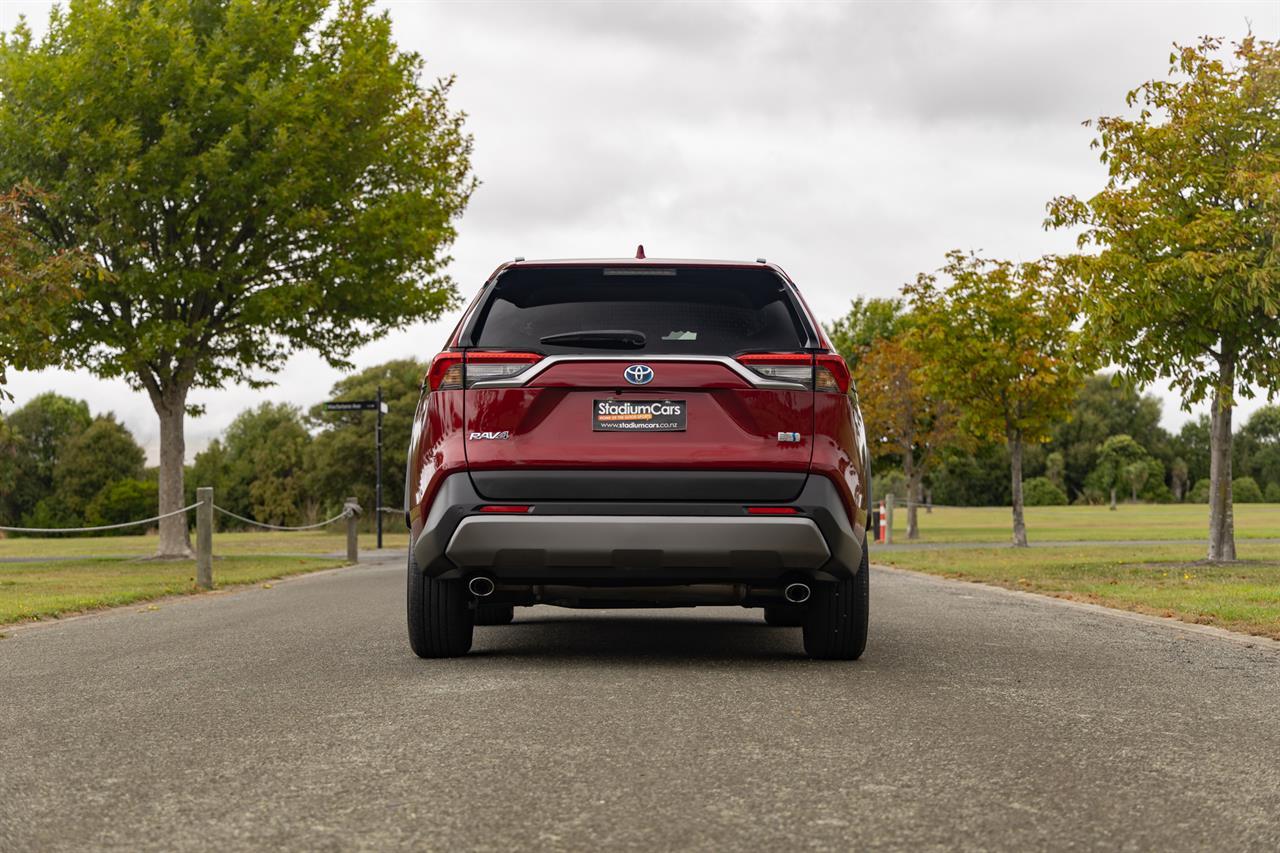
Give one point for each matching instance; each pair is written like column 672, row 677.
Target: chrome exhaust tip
column 482, row 586
column 796, row 593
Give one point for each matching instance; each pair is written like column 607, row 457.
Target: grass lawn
column 1089, row 523
column 332, row 540
column 37, row 590
column 1165, row 580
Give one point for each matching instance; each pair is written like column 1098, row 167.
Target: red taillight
column 783, row 366
column 482, row 365
column 445, row 372
column 505, row 508
column 831, row 374
column 772, row 510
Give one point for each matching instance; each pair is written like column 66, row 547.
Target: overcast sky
column 853, row 143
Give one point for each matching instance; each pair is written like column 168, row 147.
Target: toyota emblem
column 638, row 374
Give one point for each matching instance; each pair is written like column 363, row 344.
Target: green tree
column 998, row 341
column 976, row 478
column 103, row 454
column 1055, row 471
column 1258, row 446
column 36, row 287
column 258, row 469
column 1192, row 444
column 1178, row 478
column 342, row 459
column 1117, row 456
column 253, row 176
column 1106, row 406
column 867, row 321
column 1185, row 280
column 37, row 434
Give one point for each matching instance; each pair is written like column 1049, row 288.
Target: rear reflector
column 772, row 510
column 505, row 508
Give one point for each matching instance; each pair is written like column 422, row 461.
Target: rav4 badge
column 480, row 436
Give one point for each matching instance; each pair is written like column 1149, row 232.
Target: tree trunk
column 1222, row 535
column 928, row 502
column 175, row 538
column 1113, row 498
column 1015, row 460
column 913, row 494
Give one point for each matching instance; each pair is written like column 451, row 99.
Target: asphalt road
column 295, row 718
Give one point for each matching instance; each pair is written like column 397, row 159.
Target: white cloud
column 854, row 143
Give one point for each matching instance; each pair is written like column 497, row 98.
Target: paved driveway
column 295, row 718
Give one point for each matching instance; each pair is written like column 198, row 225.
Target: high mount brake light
column 482, row 365
column 783, row 366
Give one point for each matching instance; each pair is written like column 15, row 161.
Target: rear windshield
column 678, row 310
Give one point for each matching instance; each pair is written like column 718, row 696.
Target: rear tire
column 495, row 614
column 784, row 616
column 440, row 615
column 835, row 620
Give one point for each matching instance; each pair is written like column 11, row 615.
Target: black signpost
column 368, row 406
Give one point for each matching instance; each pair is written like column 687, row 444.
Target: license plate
column 617, row 415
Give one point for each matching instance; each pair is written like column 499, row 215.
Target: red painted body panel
column 436, row 450
column 838, row 452
column 731, row 424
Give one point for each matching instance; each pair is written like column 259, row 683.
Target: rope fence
column 100, row 526
column 205, row 508
column 345, row 512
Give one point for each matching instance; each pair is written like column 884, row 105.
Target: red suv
column 638, row 433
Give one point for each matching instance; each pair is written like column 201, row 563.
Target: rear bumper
column 535, row 543
column 621, row 542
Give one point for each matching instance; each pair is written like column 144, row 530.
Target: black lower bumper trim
column 651, row 541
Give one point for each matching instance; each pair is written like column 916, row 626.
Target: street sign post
column 380, row 407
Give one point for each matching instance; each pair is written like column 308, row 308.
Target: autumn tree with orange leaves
column 903, row 416
column 35, row 288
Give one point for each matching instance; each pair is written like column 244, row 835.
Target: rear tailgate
column 692, row 414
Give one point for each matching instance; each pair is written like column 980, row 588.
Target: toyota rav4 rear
column 639, row 432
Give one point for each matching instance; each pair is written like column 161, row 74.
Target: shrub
column 1199, row 492
column 1040, row 491
column 1245, row 490
column 122, row 501
column 1272, row 494
column 1156, row 493
column 887, row 482
column 1090, row 496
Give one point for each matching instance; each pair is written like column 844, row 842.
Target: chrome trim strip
column 523, row 378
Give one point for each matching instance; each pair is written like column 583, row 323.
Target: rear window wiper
column 602, row 338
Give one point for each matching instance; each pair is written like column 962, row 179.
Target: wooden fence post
column 204, row 537
column 353, row 534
